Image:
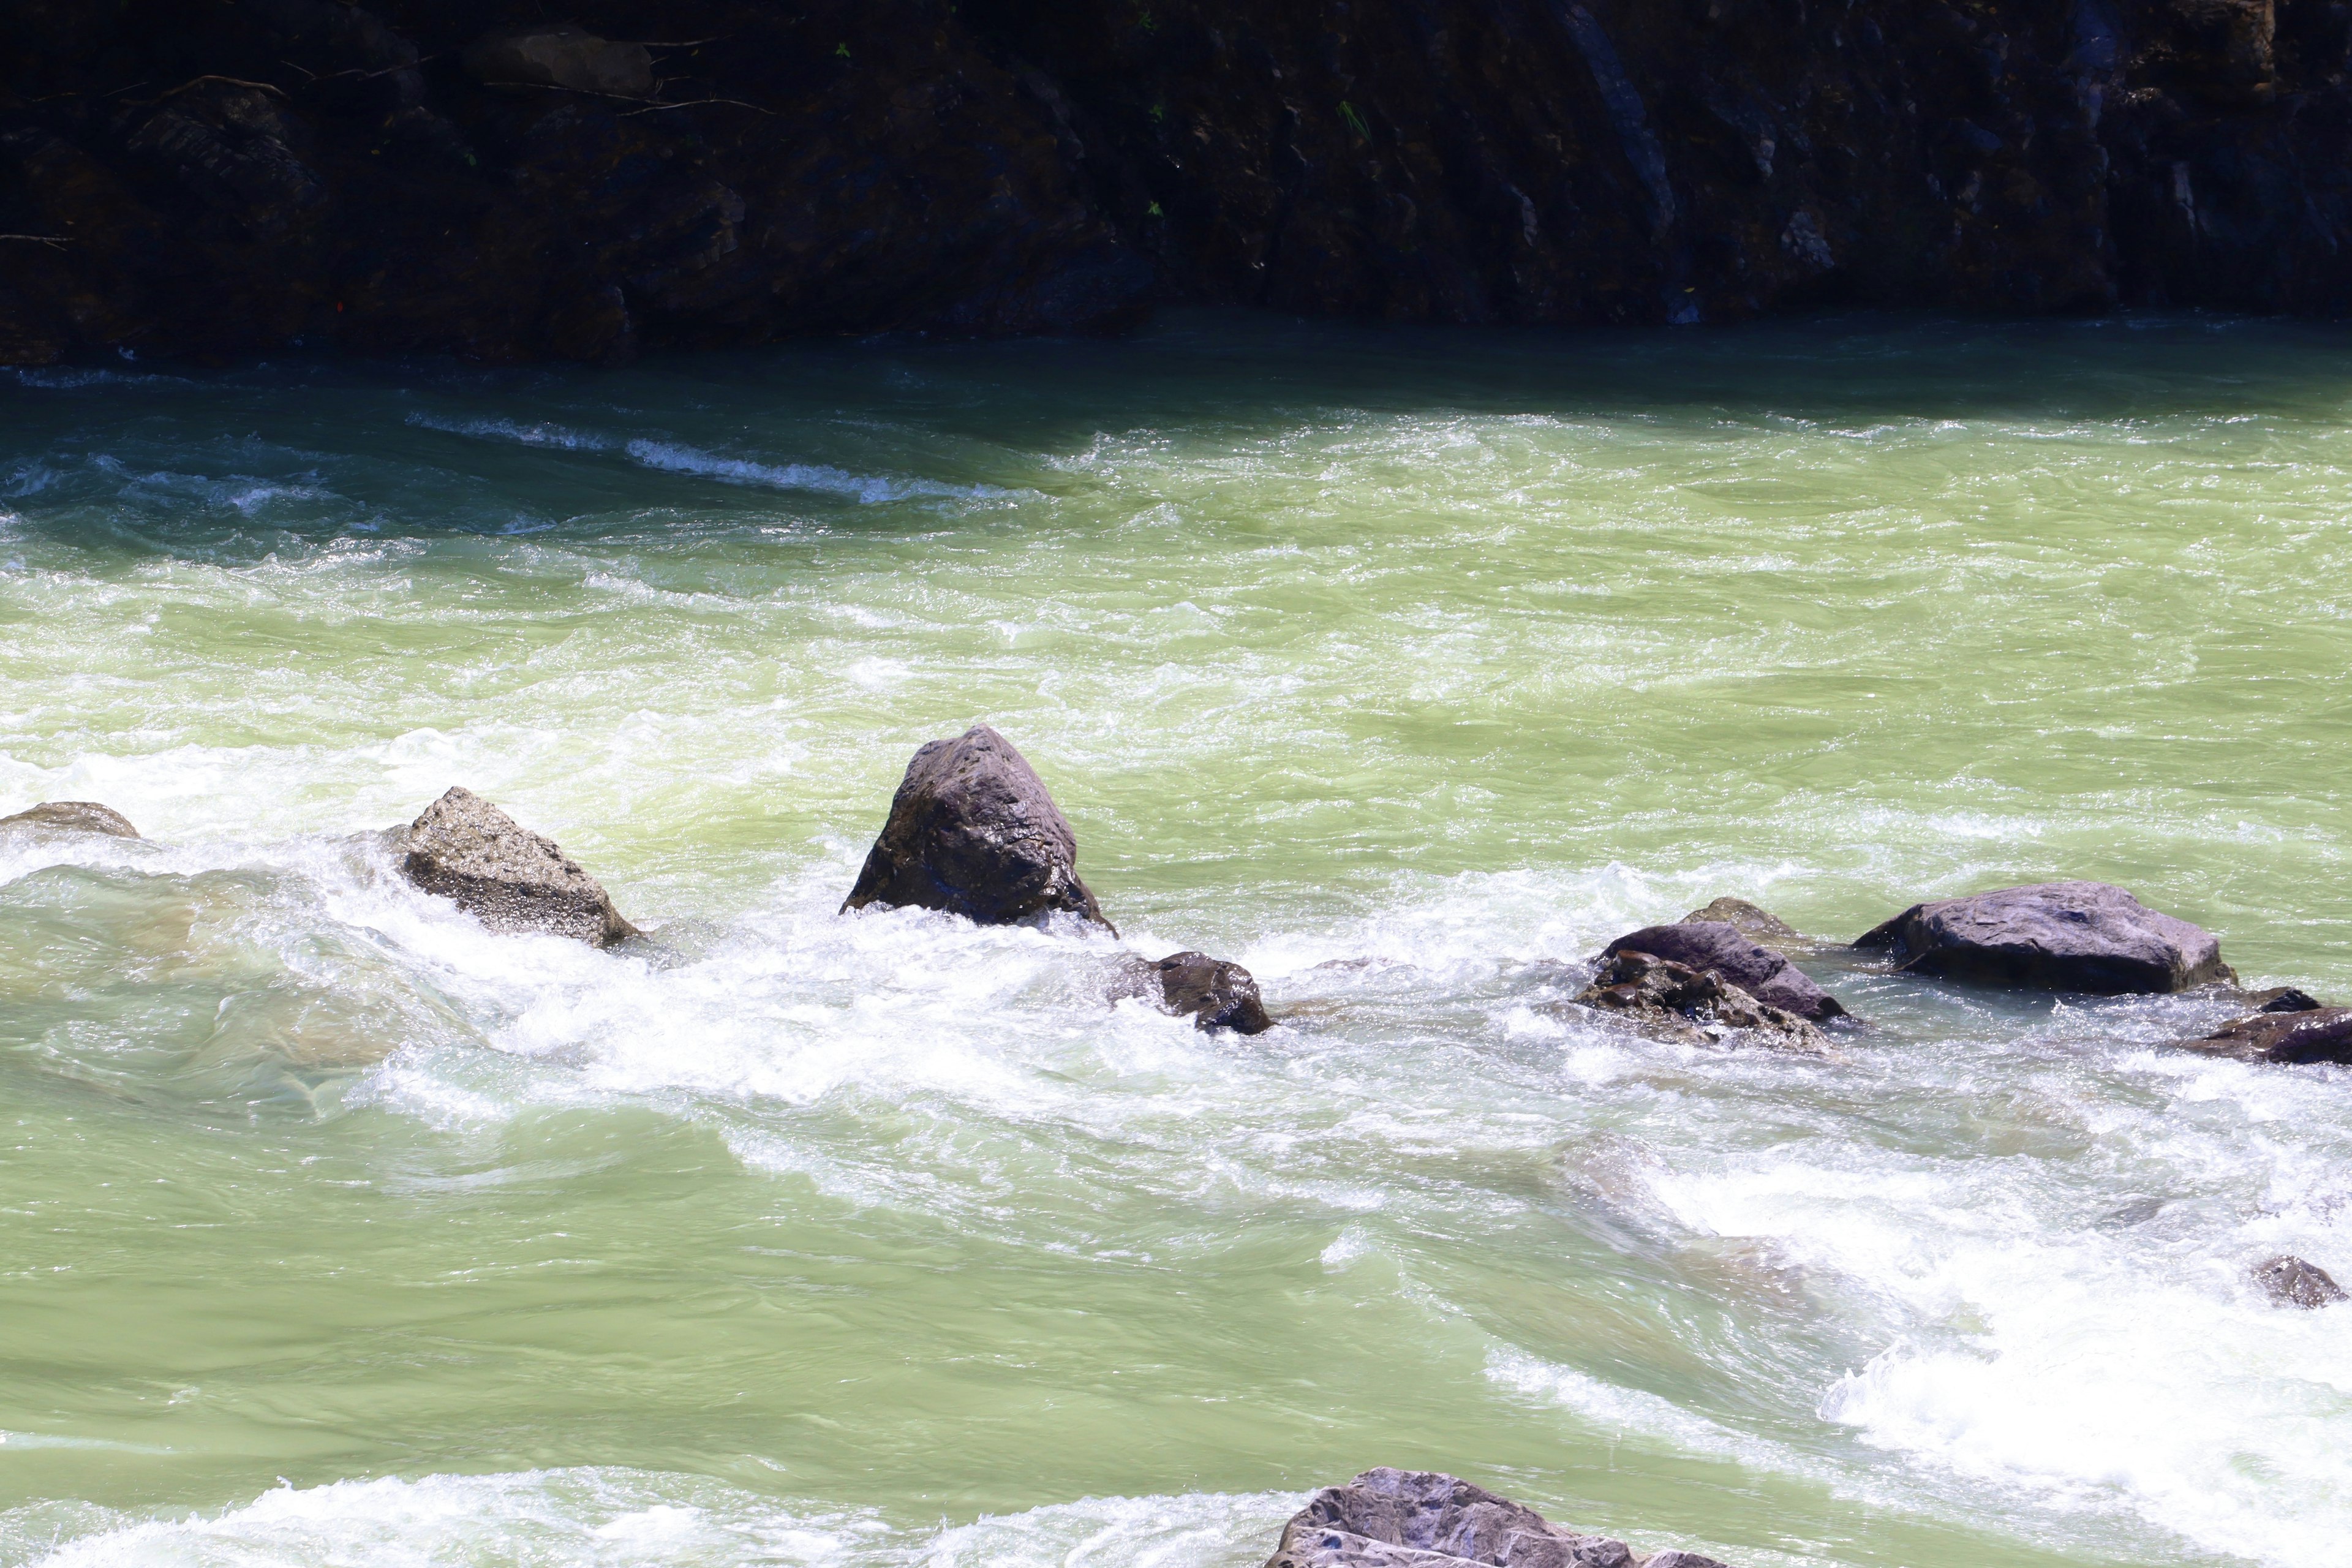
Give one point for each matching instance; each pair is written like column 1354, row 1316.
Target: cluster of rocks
column 1419, row 1518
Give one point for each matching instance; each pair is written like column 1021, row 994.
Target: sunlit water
column 339, row 1232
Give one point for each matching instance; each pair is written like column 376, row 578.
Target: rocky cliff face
column 500, row 181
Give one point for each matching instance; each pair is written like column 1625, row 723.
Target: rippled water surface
column 339, row 1232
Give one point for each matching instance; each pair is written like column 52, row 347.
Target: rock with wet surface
column 1721, row 948
column 973, row 832
column 2315, row 1035
column 1411, row 1519
column 1672, row 1001
column 74, row 816
column 508, row 878
column 1756, row 924
column 2291, row 1282
column 560, row 56
column 1216, row 993
column 2084, row 937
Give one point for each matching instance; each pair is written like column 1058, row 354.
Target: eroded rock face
column 2291, row 1282
column 1217, row 994
column 563, row 56
column 2318, row 1035
column 74, row 816
column 1675, row 1002
column 1723, row 949
column 973, row 832
column 2053, row 936
column 1409, row 1519
column 508, row 878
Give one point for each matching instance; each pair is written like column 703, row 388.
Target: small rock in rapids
column 506, row 876
column 1758, row 924
column 74, row 816
column 2291, row 1282
column 1412, row 1519
column 540, row 54
column 1216, row 993
column 1675, row 1002
column 1723, row 948
column 2282, row 999
column 2314, row 1034
column 2053, row 936
column 973, row 832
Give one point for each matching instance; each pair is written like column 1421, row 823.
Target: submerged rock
column 2053, row 936
column 1758, row 924
column 1675, row 1002
column 559, row 55
column 973, row 832
column 2314, row 1034
column 508, row 878
column 1723, row 948
column 74, row 816
column 2280, row 999
column 1216, row 993
column 2291, row 1282
column 1413, row 1519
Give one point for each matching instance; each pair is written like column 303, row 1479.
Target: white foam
column 867, row 490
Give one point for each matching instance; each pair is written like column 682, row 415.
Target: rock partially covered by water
column 508, row 878
column 1675, row 1002
column 1756, row 924
column 1721, row 948
column 74, row 816
column 973, row 832
column 2053, row 936
column 1417, row 1518
column 2291, row 1282
column 559, row 55
column 1218, row 994
column 2317, row 1035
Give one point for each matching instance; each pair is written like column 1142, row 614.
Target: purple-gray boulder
column 973, row 832
column 1721, row 948
column 506, row 876
column 2053, row 936
column 2290, row 1281
column 1414, row 1519
column 74, row 816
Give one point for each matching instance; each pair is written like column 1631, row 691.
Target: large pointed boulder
column 973, row 832
column 2053, row 936
column 74, row 816
column 1418, row 1519
column 508, row 878
column 1723, row 948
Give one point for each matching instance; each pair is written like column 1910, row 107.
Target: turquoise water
column 340, row 1232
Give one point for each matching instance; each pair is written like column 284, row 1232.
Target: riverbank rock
column 1673, row 1001
column 1216, row 993
column 973, row 832
column 2317, row 1035
column 2291, row 1282
column 559, row 56
column 1412, row 1519
column 1722, row 947
column 74, row 816
column 508, row 878
column 2053, row 936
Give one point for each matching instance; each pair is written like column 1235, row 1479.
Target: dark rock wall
column 216, row 177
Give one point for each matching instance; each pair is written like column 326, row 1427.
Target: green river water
column 338, row 1232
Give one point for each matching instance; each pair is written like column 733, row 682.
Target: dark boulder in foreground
column 1756, row 924
column 1675, row 1002
column 2291, row 1282
column 2053, row 936
column 1216, row 993
column 973, row 832
column 508, row 878
column 2318, row 1035
column 1721, row 948
column 74, row 816
column 1415, row 1519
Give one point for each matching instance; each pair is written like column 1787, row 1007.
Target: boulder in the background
column 1723, row 948
column 74, row 816
column 1415, row 1519
column 508, row 878
column 1216, row 993
column 2053, row 936
column 973, row 832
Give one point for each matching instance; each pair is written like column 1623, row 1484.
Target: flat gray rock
column 1722, row 947
column 74, row 816
column 508, row 878
column 1216, row 993
column 2315, row 1035
column 1413, row 1519
column 2084, row 937
column 973, row 832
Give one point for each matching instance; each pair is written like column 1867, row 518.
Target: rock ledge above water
column 1411, row 1519
column 2084, row 937
column 508, row 878
column 74, row 816
column 2313, row 1035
